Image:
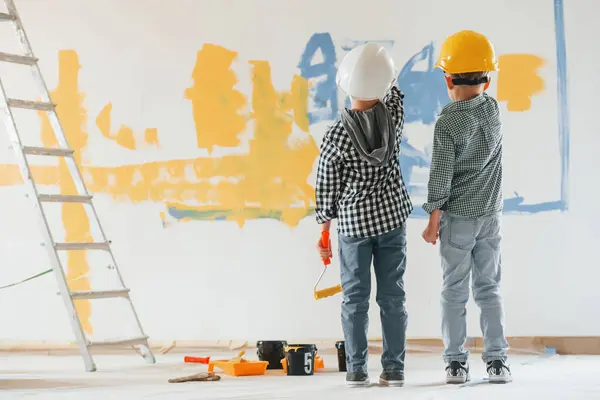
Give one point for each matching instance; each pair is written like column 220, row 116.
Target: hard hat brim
column 492, row 67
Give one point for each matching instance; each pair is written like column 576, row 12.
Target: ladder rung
column 99, row 294
column 137, row 340
column 31, row 105
column 47, row 151
column 18, row 59
column 62, row 198
column 82, row 246
column 120, row 342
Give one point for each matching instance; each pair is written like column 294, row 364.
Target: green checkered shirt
column 466, row 167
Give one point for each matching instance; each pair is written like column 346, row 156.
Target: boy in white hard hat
column 465, row 204
column 359, row 182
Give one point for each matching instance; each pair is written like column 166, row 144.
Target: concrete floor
column 127, row 377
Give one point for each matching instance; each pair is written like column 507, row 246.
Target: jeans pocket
column 461, row 233
column 494, row 234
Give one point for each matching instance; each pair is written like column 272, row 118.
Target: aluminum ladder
column 22, row 153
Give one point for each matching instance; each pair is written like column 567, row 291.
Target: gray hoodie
column 372, row 133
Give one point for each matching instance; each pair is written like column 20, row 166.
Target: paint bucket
column 272, row 351
column 341, row 355
column 300, row 359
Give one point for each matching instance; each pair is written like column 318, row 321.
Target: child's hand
column 431, row 233
column 325, row 253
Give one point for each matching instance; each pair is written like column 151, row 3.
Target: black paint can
column 341, row 355
column 272, row 351
column 300, row 359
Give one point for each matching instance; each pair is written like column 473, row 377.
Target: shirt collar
column 465, row 105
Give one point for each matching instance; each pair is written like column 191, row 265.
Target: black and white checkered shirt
column 367, row 200
column 466, row 166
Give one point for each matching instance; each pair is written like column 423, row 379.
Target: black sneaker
column 392, row 378
column 499, row 372
column 457, row 372
column 357, row 379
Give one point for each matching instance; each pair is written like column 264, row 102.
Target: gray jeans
column 471, row 247
column 388, row 253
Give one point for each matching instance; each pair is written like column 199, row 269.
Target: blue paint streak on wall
column 563, row 106
column 411, row 157
column 516, row 204
column 179, row 214
column 324, row 93
column 426, row 94
column 350, row 44
column 425, row 90
column 511, row 206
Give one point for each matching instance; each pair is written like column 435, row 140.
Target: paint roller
column 330, row 291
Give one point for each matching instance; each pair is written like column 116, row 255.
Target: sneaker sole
column 351, row 384
column 500, row 379
column 383, row 382
column 456, row 380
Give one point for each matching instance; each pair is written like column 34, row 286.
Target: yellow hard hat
column 467, row 51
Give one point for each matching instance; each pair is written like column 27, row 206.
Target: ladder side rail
column 61, row 137
column 61, row 279
column 58, row 130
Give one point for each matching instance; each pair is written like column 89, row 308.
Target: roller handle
column 199, row 360
column 325, row 245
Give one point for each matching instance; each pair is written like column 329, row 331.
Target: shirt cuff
column 324, row 216
column 430, row 207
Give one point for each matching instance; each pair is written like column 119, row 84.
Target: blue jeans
column 388, row 253
column 470, row 247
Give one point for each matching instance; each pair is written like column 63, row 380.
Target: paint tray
column 319, row 364
column 239, row 368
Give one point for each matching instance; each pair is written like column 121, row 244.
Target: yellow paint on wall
column 43, row 175
column 271, row 178
column 518, row 80
column 270, row 181
column 215, row 102
column 73, row 117
column 124, row 136
column 151, row 137
column 278, row 169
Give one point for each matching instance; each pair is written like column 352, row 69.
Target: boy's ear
column 449, row 82
column 487, row 85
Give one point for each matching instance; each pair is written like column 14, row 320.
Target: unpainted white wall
column 214, row 280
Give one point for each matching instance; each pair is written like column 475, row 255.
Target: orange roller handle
column 199, row 360
column 325, row 245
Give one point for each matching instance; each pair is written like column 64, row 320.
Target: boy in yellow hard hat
column 359, row 183
column 465, row 203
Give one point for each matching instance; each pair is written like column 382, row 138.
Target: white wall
column 202, row 280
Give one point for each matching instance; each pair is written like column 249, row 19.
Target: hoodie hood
column 372, row 133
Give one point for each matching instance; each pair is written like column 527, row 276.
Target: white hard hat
column 367, row 72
